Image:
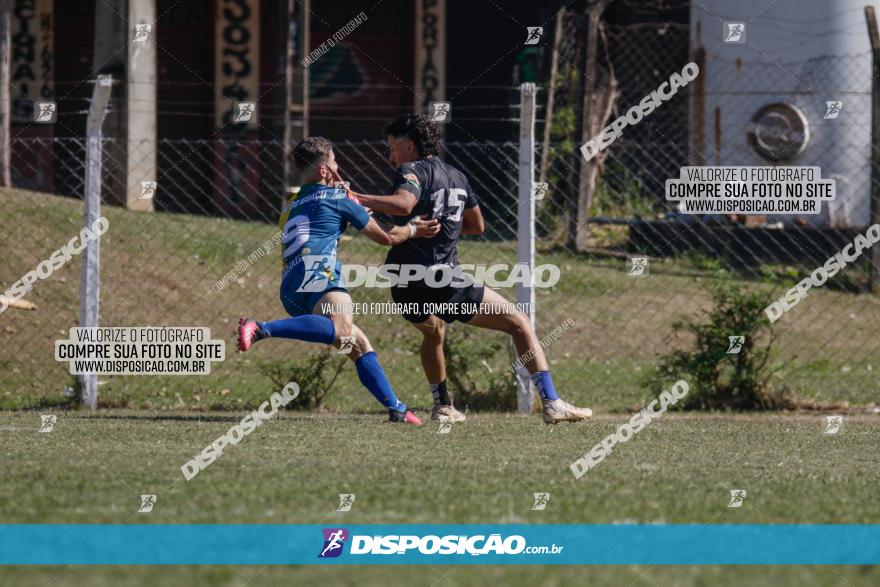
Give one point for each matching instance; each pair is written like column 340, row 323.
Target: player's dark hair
column 311, row 152
column 418, row 129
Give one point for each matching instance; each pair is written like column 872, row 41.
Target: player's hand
column 354, row 198
column 426, row 227
column 338, row 182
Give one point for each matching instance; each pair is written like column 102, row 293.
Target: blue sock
column 310, row 328
column 544, row 383
column 373, row 377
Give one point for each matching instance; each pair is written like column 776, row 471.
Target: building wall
column 366, row 78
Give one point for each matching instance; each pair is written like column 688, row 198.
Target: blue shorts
column 298, row 303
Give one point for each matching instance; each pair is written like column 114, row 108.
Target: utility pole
column 107, row 59
column 141, row 92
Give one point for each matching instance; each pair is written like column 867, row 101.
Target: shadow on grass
column 200, row 418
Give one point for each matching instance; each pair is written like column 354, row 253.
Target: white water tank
column 762, row 97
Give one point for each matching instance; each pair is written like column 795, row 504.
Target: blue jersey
column 311, row 225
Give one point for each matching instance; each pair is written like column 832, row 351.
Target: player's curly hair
column 418, row 129
column 311, row 152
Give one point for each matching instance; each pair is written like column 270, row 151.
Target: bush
column 315, row 377
column 718, row 379
column 475, row 383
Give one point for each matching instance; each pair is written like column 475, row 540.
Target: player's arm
column 357, row 215
column 400, row 203
column 395, row 235
column 472, row 217
column 472, row 221
column 407, row 188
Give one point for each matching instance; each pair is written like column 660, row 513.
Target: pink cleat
column 408, row 417
column 248, row 333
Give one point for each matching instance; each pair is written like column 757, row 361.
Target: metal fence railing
column 217, row 202
column 211, row 213
column 159, row 268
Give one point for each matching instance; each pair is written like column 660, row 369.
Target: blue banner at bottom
column 477, row 544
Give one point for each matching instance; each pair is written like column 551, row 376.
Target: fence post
column 90, row 278
column 525, row 231
column 874, row 36
column 5, row 103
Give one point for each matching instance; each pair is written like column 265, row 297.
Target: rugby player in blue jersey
column 311, row 290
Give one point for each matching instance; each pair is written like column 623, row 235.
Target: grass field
column 513, row 576
column 159, row 269
column 92, row 469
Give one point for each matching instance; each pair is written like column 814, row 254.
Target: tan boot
column 443, row 412
column 556, row 411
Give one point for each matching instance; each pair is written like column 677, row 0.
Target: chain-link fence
column 708, row 123
column 164, row 268
column 206, row 257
